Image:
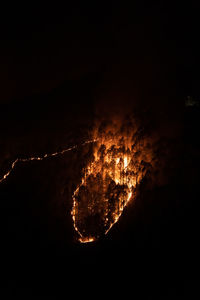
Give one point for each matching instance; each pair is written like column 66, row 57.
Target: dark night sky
column 61, row 66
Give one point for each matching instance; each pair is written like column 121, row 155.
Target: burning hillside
column 119, row 162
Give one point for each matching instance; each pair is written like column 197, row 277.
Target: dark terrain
column 57, row 75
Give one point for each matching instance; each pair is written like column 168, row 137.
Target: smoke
column 148, row 132
column 129, row 103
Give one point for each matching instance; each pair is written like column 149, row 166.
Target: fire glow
column 108, row 184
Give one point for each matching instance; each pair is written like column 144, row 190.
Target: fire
column 107, row 186
column 87, row 240
column 40, row 158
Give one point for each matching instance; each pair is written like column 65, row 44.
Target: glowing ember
column 108, row 184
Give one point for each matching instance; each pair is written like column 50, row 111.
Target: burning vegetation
column 120, row 159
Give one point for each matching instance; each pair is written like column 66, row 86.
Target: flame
column 107, row 186
column 87, row 240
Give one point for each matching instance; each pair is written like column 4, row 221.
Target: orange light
column 106, row 188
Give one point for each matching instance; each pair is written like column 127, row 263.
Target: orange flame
column 106, row 188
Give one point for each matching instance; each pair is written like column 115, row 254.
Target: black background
column 61, row 65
